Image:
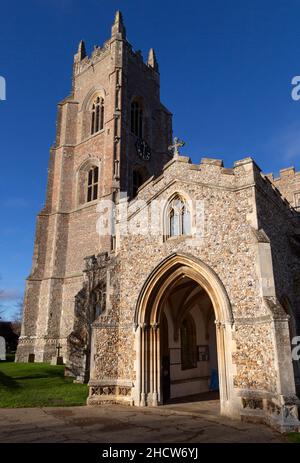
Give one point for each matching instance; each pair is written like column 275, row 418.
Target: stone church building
column 196, row 288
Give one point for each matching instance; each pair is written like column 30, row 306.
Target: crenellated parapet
column 82, row 61
column 288, row 183
column 212, row 173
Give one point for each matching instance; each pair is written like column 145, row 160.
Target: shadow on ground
column 8, row 381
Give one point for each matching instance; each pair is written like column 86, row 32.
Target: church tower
column 113, row 134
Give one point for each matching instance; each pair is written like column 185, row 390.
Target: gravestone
column 58, row 359
column 2, row 348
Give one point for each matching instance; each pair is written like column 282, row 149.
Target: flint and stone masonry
column 148, row 317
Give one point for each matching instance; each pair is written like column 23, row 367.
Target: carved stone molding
column 90, row 304
column 110, row 391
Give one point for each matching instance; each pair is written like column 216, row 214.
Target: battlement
column 284, row 173
column 288, row 183
column 83, row 61
column 212, row 161
column 211, row 172
column 235, row 169
column 216, row 165
column 286, row 187
column 276, row 190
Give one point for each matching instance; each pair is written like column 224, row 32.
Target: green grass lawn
column 294, row 437
column 38, row 385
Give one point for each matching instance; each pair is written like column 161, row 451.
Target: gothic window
column 92, row 183
column 137, row 181
column 178, row 218
column 97, row 115
column 136, row 119
column 188, row 343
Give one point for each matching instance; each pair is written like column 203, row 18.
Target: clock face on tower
column 143, row 150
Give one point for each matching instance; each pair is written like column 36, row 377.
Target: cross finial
column 177, row 143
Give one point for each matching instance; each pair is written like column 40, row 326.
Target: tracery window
column 136, row 119
column 92, row 183
column 188, row 343
column 97, row 121
column 178, row 218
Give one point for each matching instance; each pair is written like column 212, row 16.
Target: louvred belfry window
column 136, row 119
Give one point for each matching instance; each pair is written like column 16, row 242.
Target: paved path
column 180, row 423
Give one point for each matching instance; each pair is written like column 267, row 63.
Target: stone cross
column 58, row 348
column 175, row 147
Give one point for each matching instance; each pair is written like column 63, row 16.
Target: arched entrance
column 184, row 325
column 188, row 351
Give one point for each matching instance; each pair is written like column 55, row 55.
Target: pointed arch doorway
column 187, row 340
column 184, row 325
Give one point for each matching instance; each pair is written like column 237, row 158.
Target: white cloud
column 10, row 294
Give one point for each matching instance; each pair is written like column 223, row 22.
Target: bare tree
column 17, row 317
column 1, row 301
column 1, row 305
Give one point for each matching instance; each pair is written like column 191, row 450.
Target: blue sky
column 226, row 68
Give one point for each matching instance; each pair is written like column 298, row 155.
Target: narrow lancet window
column 97, row 121
column 136, row 119
column 92, row 184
